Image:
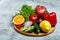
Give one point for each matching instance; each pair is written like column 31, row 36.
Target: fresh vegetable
column 24, row 28
column 36, row 20
column 18, row 26
column 19, row 19
column 46, row 16
column 28, row 23
column 25, row 11
column 53, row 19
column 36, row 28
column 39, row 20
column 32, row 29
column 28, row 28
column 33, row 17
column 40, row 10
column 45, row 26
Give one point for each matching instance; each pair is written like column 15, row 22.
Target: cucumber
column 31, row 30
column 36, row 28
column 28, row 29
column 24, row 28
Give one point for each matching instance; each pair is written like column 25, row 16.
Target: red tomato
column 40, row 10
column 18, row 26
column 33, row 17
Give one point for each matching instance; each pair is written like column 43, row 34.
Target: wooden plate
column 35, row 35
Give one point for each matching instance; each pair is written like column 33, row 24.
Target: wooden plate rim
column 35, row 35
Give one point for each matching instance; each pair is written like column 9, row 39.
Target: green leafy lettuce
column 25, row 11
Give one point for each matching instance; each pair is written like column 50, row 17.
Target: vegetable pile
column 35, row 20
column 26, row 11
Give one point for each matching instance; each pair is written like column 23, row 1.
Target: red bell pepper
column 53, row 19
column 18, row 26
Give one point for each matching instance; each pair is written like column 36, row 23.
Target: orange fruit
column 19, row 19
